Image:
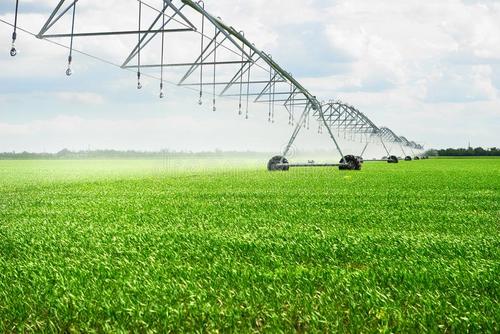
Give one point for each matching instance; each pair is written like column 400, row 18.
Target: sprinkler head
column 214, row 108
column 13, row 51
column 69, row 72
column 139, row 86
column 162, row 95
column 200, row 102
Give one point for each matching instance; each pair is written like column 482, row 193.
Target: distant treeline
column 469, row 152
column 66, row 154
column 114, row 154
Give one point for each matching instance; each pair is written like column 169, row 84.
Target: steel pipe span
column 256, row 77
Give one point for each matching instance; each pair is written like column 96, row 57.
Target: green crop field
column 138, row 246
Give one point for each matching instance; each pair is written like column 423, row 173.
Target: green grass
column 136, row 246
column 466, row 157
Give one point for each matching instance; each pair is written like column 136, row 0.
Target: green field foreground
column 138, row 246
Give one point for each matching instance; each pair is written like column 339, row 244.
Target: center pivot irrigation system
column 222, row 60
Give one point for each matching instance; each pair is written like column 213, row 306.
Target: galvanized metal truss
column 346, row 118
column 257, row 78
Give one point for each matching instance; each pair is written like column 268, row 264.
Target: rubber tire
column 352, row 162
column 272, row 165
column 408, row 158
column 393, row 159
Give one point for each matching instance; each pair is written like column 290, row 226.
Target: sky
column 429, row 70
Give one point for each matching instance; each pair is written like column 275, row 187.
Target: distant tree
column 432, row 153
column 113, row 154
column 476, row 152
column 64, row 152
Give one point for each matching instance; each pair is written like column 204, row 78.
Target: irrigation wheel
column 278, row 163
column 393, row 159
column 350, row 162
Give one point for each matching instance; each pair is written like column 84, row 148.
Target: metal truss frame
column 279, row 87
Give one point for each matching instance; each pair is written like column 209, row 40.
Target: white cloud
column 421, row 67
column 85, row 98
